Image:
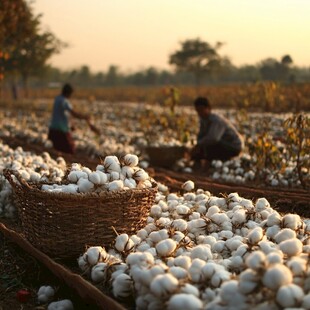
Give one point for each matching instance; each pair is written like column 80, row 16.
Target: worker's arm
column 79, row 115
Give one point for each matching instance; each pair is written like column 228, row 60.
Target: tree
column 197, row 57
column 26, row 46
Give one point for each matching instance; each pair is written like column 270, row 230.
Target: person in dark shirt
column 217, row 137
column 59, row 129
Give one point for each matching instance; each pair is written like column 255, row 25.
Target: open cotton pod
column 65, row 304
column 98, row 272
column 131, row 160
column 188, row 186
column 184, row 301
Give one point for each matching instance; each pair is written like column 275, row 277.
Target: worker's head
column 67, row 90
column 202, row 106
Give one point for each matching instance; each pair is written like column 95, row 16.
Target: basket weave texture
column 62, row 225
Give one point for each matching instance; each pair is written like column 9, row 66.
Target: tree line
column 25, row 49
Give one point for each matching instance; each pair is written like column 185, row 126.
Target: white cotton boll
column 142, row 233
column 189, row 197
column 275, row 257
column 184, row 301
column 178, row 272
column 261, row 204
column 94, row 177
column 103, row 178
column 164, row 222
column 290, row 295
column 163, row 285
column 291, row 247
column 225, row 234
column 219, row 277
column 162, row 188
column 159, row 235
column 255, row 235
column 150, row 227
column 212, row 210
column 291, row 221
column 219, row 218
column 70, row 188
column 230, row 295
column 64, row 304
column 156, row 211
column 140, row 175
column 277, row 276
column 267, row 246
column 85, row 185
column 141, row 259
column 256, row 260
column 239, row 217
column 100, row 168
column 297, row 265
column 114, row 175
column 210, row 240
column 127, row 171
column 178, row 236
column 208, row 295
column 135, row 239
column 73, row 176
column 248, row 281
column 182, row 210
column 166, row 247
column 98, row 272
column 202, row 251
column 306, row 302
column 122, row 286
column 115, row 185
column 274, row 219
column 83, row 264
column 219, row 246
column 131, row 160
column 94, row 254
column 234, row 243
column 111, row 163
column 284, row 234
column 183, row 261
column 130, row 183
column 189, row 289
column 188, row 186
column 272, row 231
column 34, row 176
column 194, row 216
column 121, row 242
column 246, row 203
column 179, row 224
column 195, row 270
column 236, row 263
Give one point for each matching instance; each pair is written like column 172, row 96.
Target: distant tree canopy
column 24, row 48
column 197, row 57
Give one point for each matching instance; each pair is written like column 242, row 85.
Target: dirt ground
column 19, row 270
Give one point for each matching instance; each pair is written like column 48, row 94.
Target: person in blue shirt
column 59, row 128
column 217, row 137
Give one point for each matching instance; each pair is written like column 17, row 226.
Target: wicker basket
column 61, row 224
column 165, row 156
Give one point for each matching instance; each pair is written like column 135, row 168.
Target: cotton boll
column 160, row 235
column 135, row 239
column 261, row 204
column 94, row 254
column 230, row 295
column 210, row 240
column 267, row 246
column 122, row 286
column 277, row 276
column 156, row 211
column 274, row 219
column 163, row 285
column 182, row 210
column 100, row 168
column 248, row 281
column 275, row 257
column 297, row 265
column 212, row 210
column 140, row 175
column 284, row 234
column 272, row 231
column 85, row 185
column 178, row 272
column 291, row 247
column 183, row 261
column 189, row 289
column 64, row 304
column 98, row 272
column 123, row 243
column 256, row 260
column 290, row 295
column 141, row 259
column 131, row 160
column 255, row 235
column 202, row 252
column 166, row 247
column 195, row 270
column 179, row 224
column 184, row 301
column 291, row 221
column 111, row 163
column 70, row 188
column 219, row 246
column 142, row 233
column 219, row 277
column 115, row 185
column 188, row 186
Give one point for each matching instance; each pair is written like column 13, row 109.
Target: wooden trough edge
column 83, row 288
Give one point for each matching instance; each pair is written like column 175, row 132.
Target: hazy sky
column 136, row 34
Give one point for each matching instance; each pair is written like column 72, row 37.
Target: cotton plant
column 217, row 252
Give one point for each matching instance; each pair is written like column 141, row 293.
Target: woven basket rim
column 33, row 187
